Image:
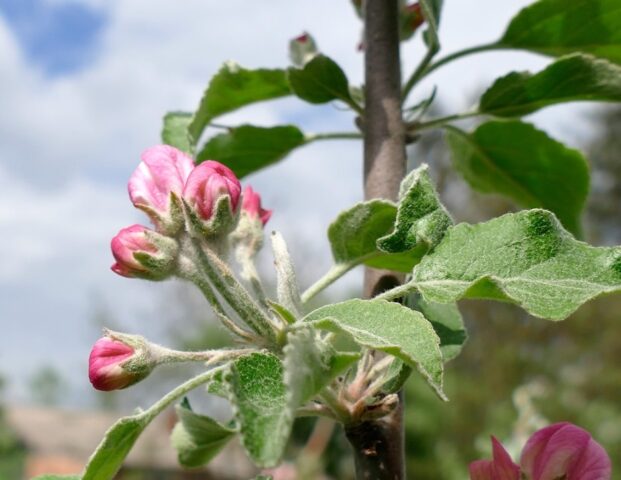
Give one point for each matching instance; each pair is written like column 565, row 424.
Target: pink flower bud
column 162, row 171
column 105, row 365
column 137, row 255
column 564, row 451
column 208, row 182
column 251, row 204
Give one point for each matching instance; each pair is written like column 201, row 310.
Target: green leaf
column 524, row 164
column 234, row 87
column 354, row 233
column 263, row 477
column 321, row 80
column 431, row 11
column 421, row 219
column 258, row 393
column 526, row 258
column 559, row 27
column 198, row 438
column 246, row 149
column 175, row 131
column 310, row 365
column 448, row 323
column 569, row 79
column 111, row 452
column 389, row 327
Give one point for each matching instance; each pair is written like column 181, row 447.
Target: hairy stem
column 336, row 272
column 233, row 292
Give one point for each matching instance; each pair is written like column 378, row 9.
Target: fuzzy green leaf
column 111, row 452
column 175, row 131
column 198, row 438
column 258, row 394
column 310, row 365
column 573, row 78
column 354, row 233
column 234, row 87
column 523, row 163
column 448, row 323
column 321, row 80
column 526, row 258
column 559, row 27
column 421, row 218
column 389, row 327
column 247, row 148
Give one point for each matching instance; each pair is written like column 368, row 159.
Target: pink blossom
column 162, row 171
column 500, row 468
column 105, row 369
column 251, row 204
column 563, row 450
column 558, row 451
column 207, row 183
column 125, row 245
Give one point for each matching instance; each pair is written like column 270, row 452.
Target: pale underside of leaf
column 388, row 327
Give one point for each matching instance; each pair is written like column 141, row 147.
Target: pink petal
column 593, row 464
column 500, row 468
column 482, row 470
column 564, row 450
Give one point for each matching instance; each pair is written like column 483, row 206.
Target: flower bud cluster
column 179, row 197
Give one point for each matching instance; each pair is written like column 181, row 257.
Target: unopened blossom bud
column 117, row 363
column 212, row 194
column 251, row 206
column 157, row 181
column 302, row 49
column 143, row 253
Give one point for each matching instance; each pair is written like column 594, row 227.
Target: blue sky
column 84, row 86
column 59, row 38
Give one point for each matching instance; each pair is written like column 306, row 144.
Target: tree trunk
column 379, row 444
